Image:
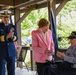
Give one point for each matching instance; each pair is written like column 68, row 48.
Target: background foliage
column 65, row 22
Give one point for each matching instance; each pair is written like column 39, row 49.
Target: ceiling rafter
column 22, row 4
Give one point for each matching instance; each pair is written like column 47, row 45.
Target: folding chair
column 22, row 56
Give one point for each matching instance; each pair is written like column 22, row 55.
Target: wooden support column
column 17, row 17
column 49, row 9
column 54, row 8
column 49, row 12
column 51, row 6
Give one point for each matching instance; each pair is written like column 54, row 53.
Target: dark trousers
column 63, row 68
column 10, row 65
column 40, row 67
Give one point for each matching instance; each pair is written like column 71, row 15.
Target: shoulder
column 35, row 32
column 11, row 25
column 1, row 23
column 49, row 31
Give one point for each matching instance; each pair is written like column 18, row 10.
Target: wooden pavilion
column 26, row 6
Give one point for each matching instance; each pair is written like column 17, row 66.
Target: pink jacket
column 39, row 45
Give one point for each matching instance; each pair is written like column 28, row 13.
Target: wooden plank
column 32, row 2
column 5, row 2
column 17, row 2
column 61, row 6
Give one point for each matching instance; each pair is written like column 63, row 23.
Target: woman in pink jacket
column 42, row 44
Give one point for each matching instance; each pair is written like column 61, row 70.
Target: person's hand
column 48, row 52
column 60, row 55
column 10, row 35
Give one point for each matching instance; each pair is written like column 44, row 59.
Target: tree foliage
column 65, row 22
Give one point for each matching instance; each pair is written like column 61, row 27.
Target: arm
column 51, row 51
column 71, row 59
column 60, row 55
column 51, row 43
column 12, row 35
column 52, row 46
column 35, row 44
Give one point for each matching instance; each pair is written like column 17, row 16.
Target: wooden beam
column 41, row 5
column 23, row 17
column 36, row 6
column 59, row 1
column 58, row 9
column 6, row 7
column 29, row 7
column 17, row 2
column 6, row 2
column 32, row 2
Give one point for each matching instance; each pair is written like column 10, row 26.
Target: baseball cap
column 72, row 35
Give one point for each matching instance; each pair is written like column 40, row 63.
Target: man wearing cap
column 8, row 35
column 68, row 66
